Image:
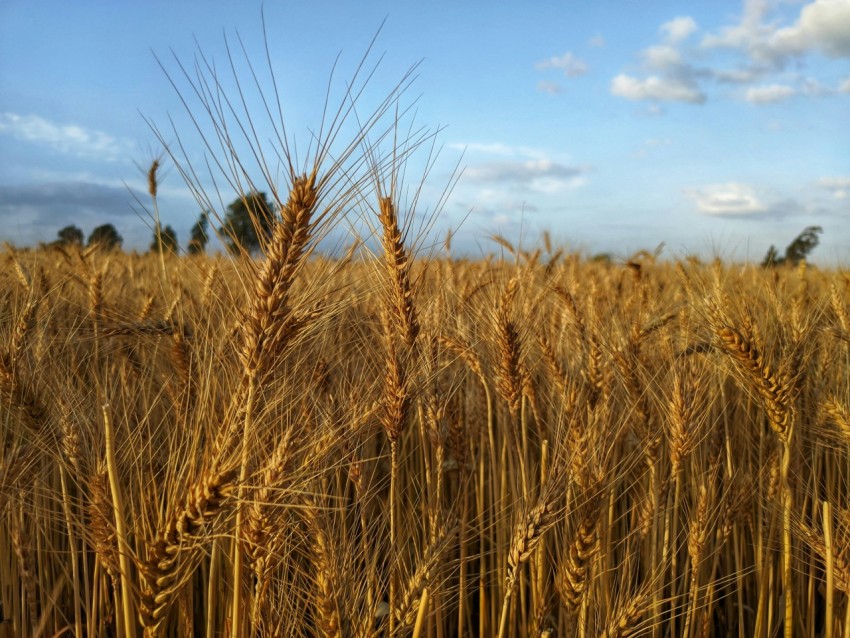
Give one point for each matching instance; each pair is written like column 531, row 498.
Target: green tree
column 804, row 243
column 772, row 258
column 797, row 251
column 248, row 223
column 70, row 236
column 106, row 237
column 164, row 240
column 198, row 237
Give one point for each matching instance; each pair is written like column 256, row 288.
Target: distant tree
column 248, row 222
column 805, row 243
column 198, row 234
column 797, row 251
column 71, row 236
column 772, row 258
column 106, row 237
column 164, row 240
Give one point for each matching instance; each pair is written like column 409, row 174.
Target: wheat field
column 388, row 441
column 529, row 445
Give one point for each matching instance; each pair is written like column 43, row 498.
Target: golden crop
column 303, row 446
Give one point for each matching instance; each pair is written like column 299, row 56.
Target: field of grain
column 528, row 445
column 391, row 441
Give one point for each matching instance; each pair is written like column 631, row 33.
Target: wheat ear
column 269, row 327
column 398, row 264
column 536, row 521
column 169, row 560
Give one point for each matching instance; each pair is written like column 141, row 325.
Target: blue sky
column 715, row 127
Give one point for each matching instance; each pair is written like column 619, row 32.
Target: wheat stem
column 829, row 618
column 236, row 610
column 420, row 616
column 120, row 528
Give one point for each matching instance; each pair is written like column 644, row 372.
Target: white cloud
column 822, row 25
column 662, row 56
column 670, row 77
column 748, row 31
column 568, row 63
column 735, row 76
column 518, row 175
column 557, row 184
column 838, row 186
column 769, row 93
column 549, row 87
column 597, row 41
column 732, row 198
column 66, row 138
column 844, row 87
column 679, row 28
column 526, row 172
column 762, row 43
column 834, row 182
column 666, row 89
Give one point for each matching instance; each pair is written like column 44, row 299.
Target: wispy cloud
column 812, row 87
column 542, row 174
column 732, row 198
column 597, row 41
column 679, row 29
column 504, row 182
column 739, row 200
column 654, row 87
column 736, row 76
column 568, row 63
column 749, row 30
column 769, row 93
column 838, row 186
column 65, row 138
column 553, row 88
column 663, row 57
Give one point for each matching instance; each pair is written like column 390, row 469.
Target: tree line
column 247, row 223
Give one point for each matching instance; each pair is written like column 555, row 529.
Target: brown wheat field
column 528, row 445
column 396, row 442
